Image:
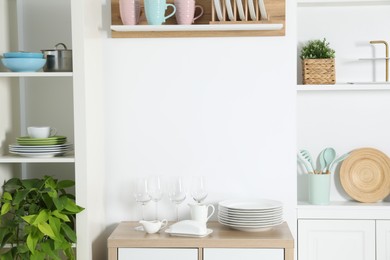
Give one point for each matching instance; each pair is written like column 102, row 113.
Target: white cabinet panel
column 383, row 239
column 336, row 239
column 242, row 253
column 157, row 254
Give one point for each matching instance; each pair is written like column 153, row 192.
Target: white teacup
column 154, row 226
column 200, row 212
column 41, row 131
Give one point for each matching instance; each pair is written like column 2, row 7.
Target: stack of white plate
column 250, row 215
column 42, row 151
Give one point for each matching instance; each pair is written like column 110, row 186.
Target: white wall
column 345, row 120
column 220, row 107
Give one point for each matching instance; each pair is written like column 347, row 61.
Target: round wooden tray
column 365, row 175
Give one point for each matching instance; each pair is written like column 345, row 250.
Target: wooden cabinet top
column 278, row 237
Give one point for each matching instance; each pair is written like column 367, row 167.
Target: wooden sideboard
column 223, row 243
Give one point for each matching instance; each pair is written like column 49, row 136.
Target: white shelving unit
column 35, row 74
column 8, row 158
column 346, row 87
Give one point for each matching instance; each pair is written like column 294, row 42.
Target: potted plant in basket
column 318, row 64
column 37, row 218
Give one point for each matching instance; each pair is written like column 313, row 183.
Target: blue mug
column 155, row 11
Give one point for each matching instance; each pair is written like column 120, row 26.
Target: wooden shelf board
column 9, row 158
column 345, row 87
column 36, row 74
column 341, row 2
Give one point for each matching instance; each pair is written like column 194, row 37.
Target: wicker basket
column 318, row 71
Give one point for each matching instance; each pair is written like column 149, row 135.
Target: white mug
column 200, row 212
column 152, row 227
column 41, row 131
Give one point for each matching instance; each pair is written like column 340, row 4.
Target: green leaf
column 69, row 232
column 20, row 196
column 7, row 196
column 28, row 184
column 65, row 184
column 30, row 219
column 12, row 185
column 47, row 230
column 55, row 225
column 50, row 250
column 59, row 215
column 72, row 207
column 5, row 208
column 38, row 256
column 32, row 243
column 43, row 216
column 59, row 203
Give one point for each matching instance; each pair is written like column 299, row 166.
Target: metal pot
column 58, row 59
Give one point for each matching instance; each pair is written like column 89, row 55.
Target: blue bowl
column 23, row 64
column 21, row 54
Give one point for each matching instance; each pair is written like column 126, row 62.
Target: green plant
column 317, row 49
column 37, row 219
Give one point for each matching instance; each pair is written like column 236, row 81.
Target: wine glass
column 155, row 191
column 141, row 193
column 176, row 193
column 198, row 189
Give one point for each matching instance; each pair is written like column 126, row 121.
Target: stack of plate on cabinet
column 41, row 147
column 250, row 215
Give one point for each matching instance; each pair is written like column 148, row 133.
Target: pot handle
column 61, row 44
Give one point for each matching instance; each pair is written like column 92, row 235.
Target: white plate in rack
column 252, row 11
column 218, row 9
column 229, row 10
column 240, row 9
column 263, row 10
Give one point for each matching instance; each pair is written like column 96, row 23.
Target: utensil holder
column 319, row 189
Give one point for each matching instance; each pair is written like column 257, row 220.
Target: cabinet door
column 242, row 253
column 336, row 239
column 157, row 253
column 383, row 239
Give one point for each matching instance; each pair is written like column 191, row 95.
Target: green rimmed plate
column 29, row 139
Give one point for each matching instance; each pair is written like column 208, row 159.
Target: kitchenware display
column 41, row 131
column 336, row 161
column 329, row 156
column 250, row 215
column 58, row 60
column 27, row 140
column 141, row 194
column 155, row 11
column 198, row 189
column 154, row 226
column 319, row 189
column 263, row 10
column 240, row 9
column 218, row 9
column 185, row 11
column 23, row 64
column 155, row 191
column 365, row 175
column 41, row 147
column 305, row 158
column 176, row 193
column 252, row 11
column 189, row 228
column 130, row 11
column 229, row 10
column 22, row 54
column 200, row 212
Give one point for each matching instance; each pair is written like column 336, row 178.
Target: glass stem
column 177, row 212
column 142, row 211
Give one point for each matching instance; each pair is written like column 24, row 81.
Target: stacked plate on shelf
column 41, row 147
column 250, row 215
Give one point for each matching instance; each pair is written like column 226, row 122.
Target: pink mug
column 185, row 11
column 130, row 11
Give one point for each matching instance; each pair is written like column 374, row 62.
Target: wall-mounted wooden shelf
column 204, row 26
column 35, row 74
